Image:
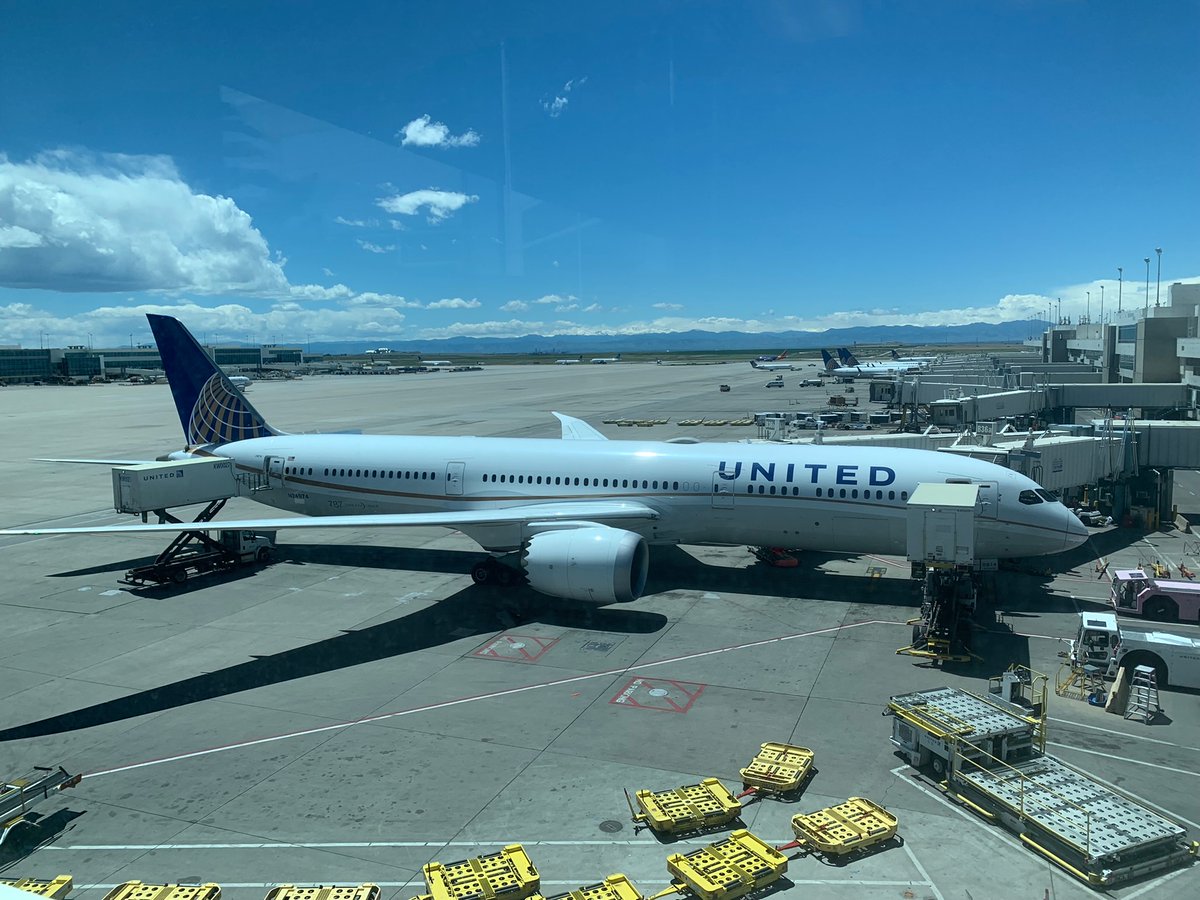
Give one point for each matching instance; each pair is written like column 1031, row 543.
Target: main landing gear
column 491, row 572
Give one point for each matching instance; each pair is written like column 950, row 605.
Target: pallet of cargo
column 778, row 769
column 730, row 868
column 324, row 892
column 508, row 874
column 614, row 887
column 137, row 890
column 55, row 888
column 693, row 807
column 849, row 827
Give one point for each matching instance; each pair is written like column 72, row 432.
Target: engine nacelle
column 594, row 563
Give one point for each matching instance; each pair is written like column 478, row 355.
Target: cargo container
column 147, row 487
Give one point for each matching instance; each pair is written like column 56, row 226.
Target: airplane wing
column 577, row 430
column 573, row 511
column 99, row 462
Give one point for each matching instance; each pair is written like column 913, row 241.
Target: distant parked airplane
column 605, row 360
column 782, row 355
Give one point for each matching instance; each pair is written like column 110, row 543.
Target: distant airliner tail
column 754, row 363
column 895, row 355
column 783, row 355
column 847, row 357
column 211, row 409
column 830, row 365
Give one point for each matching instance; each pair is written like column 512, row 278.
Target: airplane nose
column 1077, row 532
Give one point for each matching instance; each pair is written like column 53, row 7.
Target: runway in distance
column 574, row 517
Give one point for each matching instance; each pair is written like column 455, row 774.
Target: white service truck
column 1107, row 645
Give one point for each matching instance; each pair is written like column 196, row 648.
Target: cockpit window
column 1048, row 496
column 1029, row 498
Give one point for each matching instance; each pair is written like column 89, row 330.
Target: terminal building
column 19, row 365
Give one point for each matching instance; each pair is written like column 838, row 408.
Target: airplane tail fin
column 847, row 357
column 754, row 363
column 895, row 355
column 211, row 410
column 830, row 365
column 784, row 354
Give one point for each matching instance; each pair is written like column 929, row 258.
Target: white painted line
column 325, row 845
column 1136, row 762
column 1147, row 888
column 509, row 692
column 1124, row 734
column 920, row 868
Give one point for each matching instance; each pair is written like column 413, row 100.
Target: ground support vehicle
column 324, row 892
column 509, row 874
column 197, row 553
column 1103, row 646
column 839, row 831
column 137, row 890
column 777, row 769
column 20, row 795
column 56, row 888
column 988, row 753
column 728, row 869
column 1137, row 594
column 941, row 551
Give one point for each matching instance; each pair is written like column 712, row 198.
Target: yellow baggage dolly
column 137, row 890
column 56, row 889
column 323, row 892
column 728, row 869
column 693, row 807
column 614, row 887
column 849, row 827
column 777, row 769
column 507, row 875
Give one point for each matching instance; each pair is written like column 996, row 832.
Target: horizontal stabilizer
column 577, row 430
column 599, row 511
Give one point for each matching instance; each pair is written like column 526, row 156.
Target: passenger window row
column 410, row 474
column 633, row 483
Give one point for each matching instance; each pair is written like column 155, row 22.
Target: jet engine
column 593, row 563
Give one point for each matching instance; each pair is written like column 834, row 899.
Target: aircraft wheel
column 484, row 572
column 179, row 576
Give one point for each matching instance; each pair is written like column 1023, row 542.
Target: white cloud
column 376, row 248
column 554, row 106
column 566, row 307
column 80, row 222
column 15, row 237
column 514, row 306
column 454, row 303
column 423, row 132
column 556, row 299
column 356, row 223
column 328, row 272
column 439, row 203
column 593, row 307
column 667, row 306
column 370, row 298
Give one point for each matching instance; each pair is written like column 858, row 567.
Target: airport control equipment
column 20, row 795
column 1105, row 646
column 137, row 890
column 54, row 888
column 941, row 551
column 988, row 752
column 839, row 831
column 728, row 869
column 1136, row 593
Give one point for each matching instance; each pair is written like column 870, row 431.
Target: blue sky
column 297, row 171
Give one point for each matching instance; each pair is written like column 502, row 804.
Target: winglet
column 577, row 430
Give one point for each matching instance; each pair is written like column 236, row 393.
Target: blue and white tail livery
column 211, row 409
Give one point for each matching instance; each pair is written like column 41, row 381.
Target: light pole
column 1146, row 260
column 1089, row 306
column 89, row 340
column 1120, row 285
column 1101, row 304
column 1158, row 278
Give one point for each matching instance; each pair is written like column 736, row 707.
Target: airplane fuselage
column 831, row 498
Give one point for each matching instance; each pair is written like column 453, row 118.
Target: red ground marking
column 660, row 694
column 522, row 648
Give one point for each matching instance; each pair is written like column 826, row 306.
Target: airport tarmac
column 357, row 708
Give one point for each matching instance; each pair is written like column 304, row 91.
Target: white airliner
column 241, row 382
column 852, row 368
column 605, row 360
column 436, row 362
column 574, row 517
column 772, row 366
column 567, row 362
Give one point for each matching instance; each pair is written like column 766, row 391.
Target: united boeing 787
column 574, row 517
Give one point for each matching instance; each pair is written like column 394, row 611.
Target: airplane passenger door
column 722, row 491
column 273, row 466
column 988, row 491
column 454, row 478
